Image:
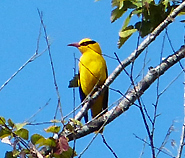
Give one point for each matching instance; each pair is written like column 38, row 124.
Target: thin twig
column 32, row 58
column 154, row 147
column 52, row 67
column 88, row 145
column 146, row 112
column 96, row 133
column 26, row 63
column 39, row 110
column 144, row 62
column 74, row 97
column 100, row 129
column 140, row 105
column 170, row 42
column 39, row 123
column 74, row 101
column 108, row 146
column 168, row 86
column 181, row 145
column 147, row 128
column 72, row 112
column 171, row 128
column 119, row 61
column 142, row 152
column 109, row 56
column 157, row 99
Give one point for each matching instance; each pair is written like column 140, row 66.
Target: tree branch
column 181, row 145
column 131, row 58
column 130, row 97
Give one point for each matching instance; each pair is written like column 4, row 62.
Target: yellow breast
column 92, row 69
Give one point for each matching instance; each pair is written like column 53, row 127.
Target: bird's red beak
column 74, row 45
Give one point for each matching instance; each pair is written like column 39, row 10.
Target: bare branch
column 181, row 145
column 131, row 96
column 39, row 110
column 144, row 145
column 108, row 146
column 170, row 130
column 52, row 65
column 131, row 58
column 32, row 58
column 88, row 145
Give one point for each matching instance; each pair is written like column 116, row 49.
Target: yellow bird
column 92, row 74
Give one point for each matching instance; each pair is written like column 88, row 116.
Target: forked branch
column 131, row 58
column 131, row 96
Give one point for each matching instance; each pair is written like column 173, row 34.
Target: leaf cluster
column 150, row 14
column 35, row 145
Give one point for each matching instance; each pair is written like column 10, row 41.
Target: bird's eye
column 84, row 44
column 87, row 43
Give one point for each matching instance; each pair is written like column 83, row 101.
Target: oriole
column 92, row 74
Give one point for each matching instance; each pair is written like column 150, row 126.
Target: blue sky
column 67, row 22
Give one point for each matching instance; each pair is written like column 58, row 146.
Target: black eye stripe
column 87, row 43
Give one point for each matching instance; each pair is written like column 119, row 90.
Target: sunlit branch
column 131, row 58
column 131, row 96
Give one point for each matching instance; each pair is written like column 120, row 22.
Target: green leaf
column 2, row 120
column 35, row 138
column 41, row 141
column 9, row 154
column 126, row 22
column 137, row 3
column 23, row 133
column 125, row 34
column 137, row 12
column 20, row 125
column 166, row 3
column 117, row 13
column 10, row 123
column 74, row 82
column 115, row 3
column 50, row 142
column 4, row 133
column 53, row 129
column 144, row 28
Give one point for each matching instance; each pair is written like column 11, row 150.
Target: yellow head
column 86, row 45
